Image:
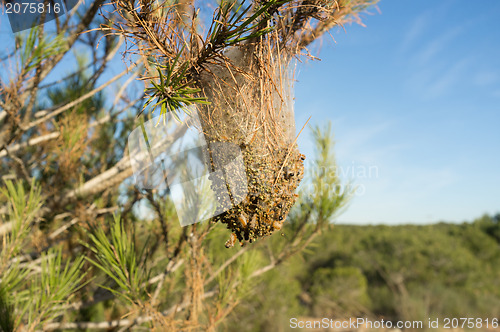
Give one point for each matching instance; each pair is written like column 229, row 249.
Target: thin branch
column 226, row 264
column 31, row 142
column 121, row 322
column 73, row 103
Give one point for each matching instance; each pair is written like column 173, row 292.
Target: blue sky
column 414, row 97
column 414, row 100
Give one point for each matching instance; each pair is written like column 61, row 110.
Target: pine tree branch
column 50, row 113
column 122, row 322
column 226, row 264
column 111, row 177
column 31, row 142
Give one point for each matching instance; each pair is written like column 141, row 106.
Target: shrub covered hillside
column 396, row 272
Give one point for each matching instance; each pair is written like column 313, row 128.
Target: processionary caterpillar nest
column 252, row 107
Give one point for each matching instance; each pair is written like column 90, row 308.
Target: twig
column 226, row 264
column 75, row 102
column 120, row 322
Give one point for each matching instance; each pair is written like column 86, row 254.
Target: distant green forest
column 403, row 272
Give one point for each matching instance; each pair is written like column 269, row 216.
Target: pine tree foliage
column 32, row 294
column 119, row 260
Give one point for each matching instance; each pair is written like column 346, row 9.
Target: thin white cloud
column 427, row 54
column 417, row 28
column 484, row 78
column 444, row 83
